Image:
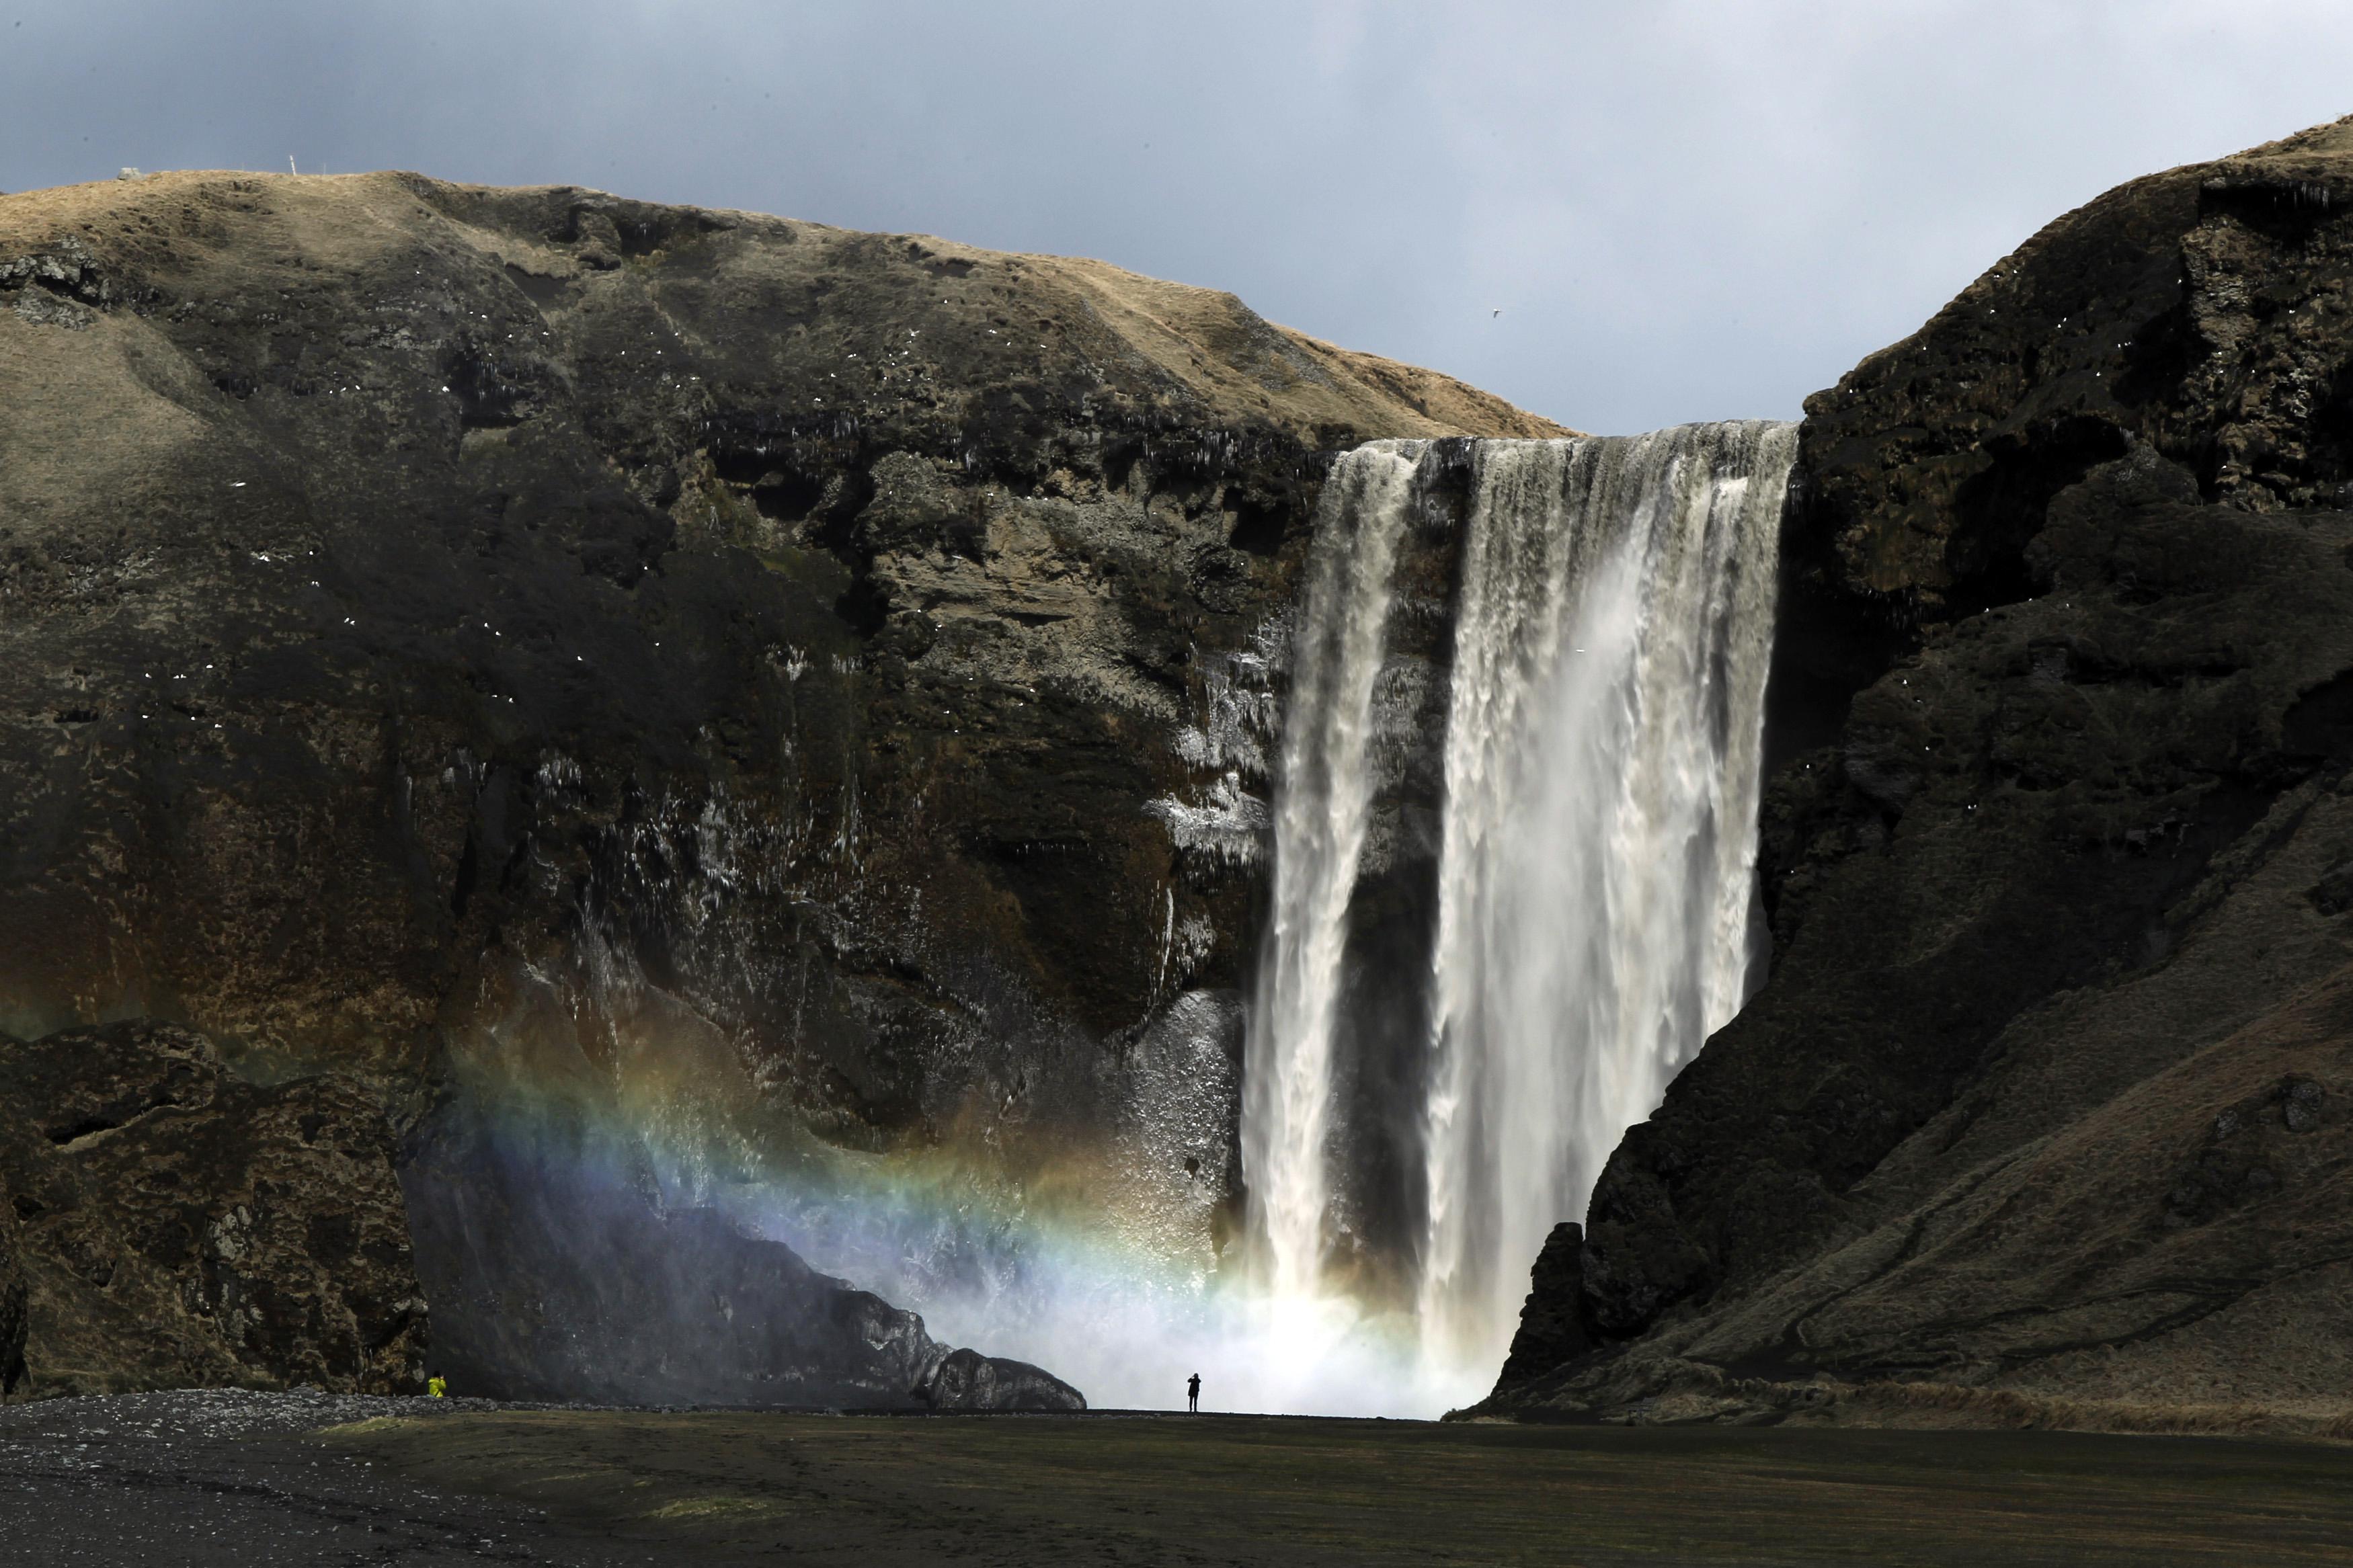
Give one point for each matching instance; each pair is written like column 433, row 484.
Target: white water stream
column 1319, row 829
column 1602, row 764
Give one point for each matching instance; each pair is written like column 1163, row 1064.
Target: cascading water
column 1319, row 829
column 1602, row 766
column 1602, row 761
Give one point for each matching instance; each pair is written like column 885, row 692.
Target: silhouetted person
column 1193, row 1394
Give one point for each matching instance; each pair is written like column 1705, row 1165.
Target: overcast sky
column 1683, row 209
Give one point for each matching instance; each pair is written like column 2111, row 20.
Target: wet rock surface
column 968, row 1380
column 2051, row 857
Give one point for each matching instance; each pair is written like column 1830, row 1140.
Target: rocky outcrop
column 2040, row 1096
column 967, row 1380
column 176, row 1226
column 1552, row 1328
column 558, row 1272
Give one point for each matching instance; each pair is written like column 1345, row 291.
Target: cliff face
column 719, row 694
column 2046, row 1090
column 794, row 693
column 395, row 571
column 14, row 1296
column 179, row 1227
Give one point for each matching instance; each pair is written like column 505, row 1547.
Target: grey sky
column 1683, row 210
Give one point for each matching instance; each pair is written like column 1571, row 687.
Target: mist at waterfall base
column 604, row 1258
column 1123, row 1325
column 1597, row 711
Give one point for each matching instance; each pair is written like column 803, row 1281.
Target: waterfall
column 1319, row 833
column 1596, row 868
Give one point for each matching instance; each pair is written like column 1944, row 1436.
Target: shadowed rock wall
column 179, row 1227
column 14, row 1296
column 2040, row 1094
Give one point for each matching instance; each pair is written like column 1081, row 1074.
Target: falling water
column 1602, row 761
column 1319, row 832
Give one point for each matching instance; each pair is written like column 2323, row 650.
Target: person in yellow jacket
column 436, row 1387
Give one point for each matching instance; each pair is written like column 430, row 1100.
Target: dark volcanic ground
column 224, row 1478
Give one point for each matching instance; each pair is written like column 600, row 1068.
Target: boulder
column 968, row 1380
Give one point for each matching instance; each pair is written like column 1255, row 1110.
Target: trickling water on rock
column 1598, row 840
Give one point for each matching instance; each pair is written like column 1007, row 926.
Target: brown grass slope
column 1201, row 347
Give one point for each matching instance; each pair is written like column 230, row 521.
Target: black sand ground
column 229, row 1479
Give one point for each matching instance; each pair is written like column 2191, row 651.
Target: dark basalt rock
column 15, row 1297
column 170, row 1226
column 2054, row 875
column 967, row 1380
column 1552, row 1328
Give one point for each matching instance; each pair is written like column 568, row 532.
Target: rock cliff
column 177, row 1227
column 14, row 1296
column 2046, row 1093
column 398, row 572
column 793, row 694
column 651, row 696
